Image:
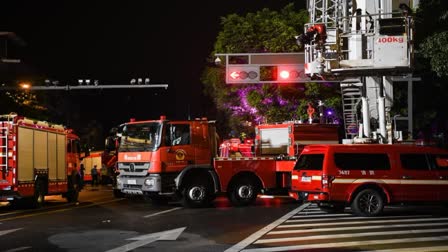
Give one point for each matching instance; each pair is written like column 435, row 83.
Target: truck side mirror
column 110, row 144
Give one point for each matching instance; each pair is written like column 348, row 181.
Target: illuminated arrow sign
column 170, row 235
column 234, row 75
column 243, row 74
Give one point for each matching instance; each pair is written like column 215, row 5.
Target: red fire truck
column 37, row 158
column 160, row 158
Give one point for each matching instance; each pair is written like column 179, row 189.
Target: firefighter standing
column 94, row 173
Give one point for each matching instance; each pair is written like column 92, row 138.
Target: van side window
column 414, row 161
column 362, row 161
column 441, row 162
column 310, row 162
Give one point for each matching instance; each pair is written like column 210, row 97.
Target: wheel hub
column 370, row 203
column 196, row 193
column 245, row 192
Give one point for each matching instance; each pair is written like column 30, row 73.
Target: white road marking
column 361, row 222
column 162, row 212
column 302, row 231
column 419, row 249
column 311, row 209
column 354, row 218
column 255, row 236
column 349, row 244
column 315, row 213
column 339, row 236
column 3, row 232
column 142, row 240
column 321, row 215
column 18, row 249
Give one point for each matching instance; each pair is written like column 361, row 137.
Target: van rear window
column 362, row 161
column 310, row 162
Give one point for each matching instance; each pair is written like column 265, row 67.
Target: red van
column 368, row 176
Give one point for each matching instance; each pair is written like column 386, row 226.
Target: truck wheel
column 243, row 192
column 196, row 194
column 38, row 200
column 368, row 202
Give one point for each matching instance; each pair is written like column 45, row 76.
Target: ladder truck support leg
column 382, row 112
column 365, row 110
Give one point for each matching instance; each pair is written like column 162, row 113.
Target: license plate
column 306, row 179
column 132, row 182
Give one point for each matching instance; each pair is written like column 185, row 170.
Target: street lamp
column 25, row 85
column 140, row 81
column 48, row 82
column 87, row 82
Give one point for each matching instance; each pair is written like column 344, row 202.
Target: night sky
column 114, row 41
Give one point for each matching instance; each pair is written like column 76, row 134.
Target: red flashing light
column 162, row 118
column 132, row 120
column 290, row 73
column 284, row 74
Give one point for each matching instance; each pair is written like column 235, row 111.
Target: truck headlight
column 150, row 182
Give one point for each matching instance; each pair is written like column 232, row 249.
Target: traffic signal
column 279, row 73
column 243, row 74
column 290, row 73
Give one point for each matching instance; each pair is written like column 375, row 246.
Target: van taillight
column 326, row 181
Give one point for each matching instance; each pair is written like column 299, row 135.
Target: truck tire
column 368, row 203
column 196, row 193
column 38, row 199
column 243, row 192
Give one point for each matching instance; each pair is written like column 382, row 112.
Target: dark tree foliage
column 431, row 95
column 242, row 106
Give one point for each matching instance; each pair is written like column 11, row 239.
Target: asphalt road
column 100, row 222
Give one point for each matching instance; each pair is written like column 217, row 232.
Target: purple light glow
column 267, row 101
column 282, row 101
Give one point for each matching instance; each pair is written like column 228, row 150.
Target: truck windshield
column 140, row 137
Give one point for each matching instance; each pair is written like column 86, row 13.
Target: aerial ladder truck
column 366, row 45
